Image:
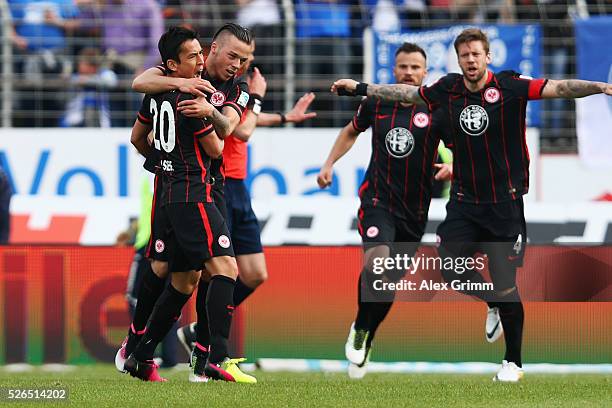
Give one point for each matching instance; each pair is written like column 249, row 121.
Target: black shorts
column 157, row 248
column 241, row 220
column 378, row 226
column 499, row 230
column 198, row 233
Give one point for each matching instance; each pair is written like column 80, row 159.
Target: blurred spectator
column 440, row 12
column 39, row 36
column 383, row 15
column 6, row 191
column 263, row 18
column 130, row 32
column 89, row 104
column 205, row 17
column 89, row 26
column 323, row 49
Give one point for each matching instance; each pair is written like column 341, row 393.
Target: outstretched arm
column 394, row 93
column 153, row 81
column 344, row 142
column 574, row 88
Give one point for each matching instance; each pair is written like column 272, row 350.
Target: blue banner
column 517, row 47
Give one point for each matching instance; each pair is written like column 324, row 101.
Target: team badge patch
column 420, row 120
column 224, row 241
column 372, row 232
column 399, row 142
column 491, row 95
column 159, row 246
column 474, row 120
column 243, row 99
column 217, row 98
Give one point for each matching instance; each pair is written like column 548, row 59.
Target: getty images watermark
column 402, row 264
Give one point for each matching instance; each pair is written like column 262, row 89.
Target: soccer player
column 491, row 172
column 233, row 198
column 395, row 194
column 199, row 235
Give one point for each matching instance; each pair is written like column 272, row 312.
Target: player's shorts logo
column 224, row 241
column 372, row 232
column 400, row 142
column 159, row 246
column 420, row 120
column 217, row 98
column 491, row 95
column 474, row 120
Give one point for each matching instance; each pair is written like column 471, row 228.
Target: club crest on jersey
column 420, row 120
column 224, row 241
column 399, row 142
column 217, row 98
column 474, row 120
column 372, row 232
column 159, row 246
column 491, row 95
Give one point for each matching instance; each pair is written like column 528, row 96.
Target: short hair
column 472, row 34
column 170, row 43
column 410, row 47
column 238, row 31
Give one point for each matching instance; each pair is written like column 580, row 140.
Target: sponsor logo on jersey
column 474, row 120
column 421, row 120
column 491, row 95
column 224, row 241
column 243, row 99
column 159, row 246
column 217, row 98
column 399, row 142
column 372, row 232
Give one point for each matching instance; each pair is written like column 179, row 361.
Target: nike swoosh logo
column 490, row 334
column 382, row 116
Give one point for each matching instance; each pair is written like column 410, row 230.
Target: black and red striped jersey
column 405, row 142
column 233, row 93
column 486, row 134
column 183, row 162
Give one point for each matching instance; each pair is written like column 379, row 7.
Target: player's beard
column 480, row 75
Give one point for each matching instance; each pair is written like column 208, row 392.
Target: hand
column 348, row 84
column 196, row 108
column 20, row 42
column 196, row 87
column 298, row 113
column 445, row 171
column 608, row 89
column 257, row 83
column 324, row 178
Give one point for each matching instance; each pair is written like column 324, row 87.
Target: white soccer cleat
column 355, row 347
column 357, row 372
column 493, row 326
column 121, row 356
column 509, row 372
column 195, row 378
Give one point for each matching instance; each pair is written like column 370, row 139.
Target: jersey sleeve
column 434, row 94
column 197, row 126
column 524, row 86
column 144, row 113
column 238, row 98
column 363, row 117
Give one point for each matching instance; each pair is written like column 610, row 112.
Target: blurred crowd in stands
column 74, row 60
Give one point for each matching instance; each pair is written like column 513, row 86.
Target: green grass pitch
column 101, row 385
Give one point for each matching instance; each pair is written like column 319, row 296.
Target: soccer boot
column 197, row 362
column 187, row 337
column 509, row 372
column 493, row 326
column 145, row 370
column 355, row 347
column 228, row 370
column 358, row 371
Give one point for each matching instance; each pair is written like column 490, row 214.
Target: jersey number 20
column 161, row 140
